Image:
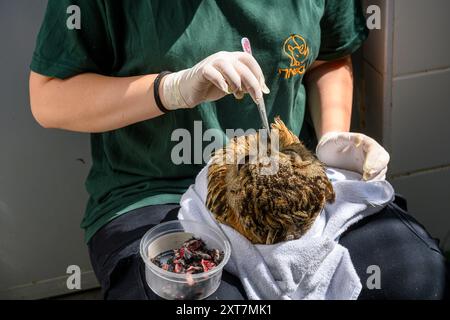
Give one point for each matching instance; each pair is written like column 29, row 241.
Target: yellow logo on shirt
column 296, row 48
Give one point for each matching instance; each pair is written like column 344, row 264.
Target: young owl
column 267, row 208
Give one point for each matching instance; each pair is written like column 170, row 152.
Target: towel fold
column 314, row 267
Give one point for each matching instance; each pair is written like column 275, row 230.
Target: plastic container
column 171, row 235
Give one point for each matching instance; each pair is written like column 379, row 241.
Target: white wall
column 42, row 194
column 407, row 103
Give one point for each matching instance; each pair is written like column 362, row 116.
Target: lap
column 114, row 253
column 410, row 262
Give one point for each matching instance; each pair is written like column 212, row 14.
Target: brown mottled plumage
column 267, row 209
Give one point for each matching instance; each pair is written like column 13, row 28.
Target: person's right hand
column 211, row 79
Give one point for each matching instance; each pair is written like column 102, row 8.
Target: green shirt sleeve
column 343, row 29
column 62, row 52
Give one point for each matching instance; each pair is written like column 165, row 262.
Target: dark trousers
column 410, row 262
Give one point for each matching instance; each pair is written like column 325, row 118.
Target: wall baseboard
column 49, row 288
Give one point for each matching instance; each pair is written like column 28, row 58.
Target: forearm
column 91, row 102
column 330, row 95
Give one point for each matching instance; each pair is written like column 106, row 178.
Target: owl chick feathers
column 267, row 208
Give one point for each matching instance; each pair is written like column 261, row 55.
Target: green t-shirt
column 128, row 38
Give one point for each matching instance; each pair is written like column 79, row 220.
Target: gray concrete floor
column 94, row 294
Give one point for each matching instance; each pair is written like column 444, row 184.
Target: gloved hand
column 211, row 79
column 355, row 152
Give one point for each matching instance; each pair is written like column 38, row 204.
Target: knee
column 408, row 260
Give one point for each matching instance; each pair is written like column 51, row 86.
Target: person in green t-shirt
column 94, row 70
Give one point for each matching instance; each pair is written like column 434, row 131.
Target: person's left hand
column 354, row 152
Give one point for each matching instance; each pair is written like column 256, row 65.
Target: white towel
column 314, row 267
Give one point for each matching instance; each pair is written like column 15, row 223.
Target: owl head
column 271, row 197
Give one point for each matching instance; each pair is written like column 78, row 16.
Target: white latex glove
column 355, row 152
column 211, row 79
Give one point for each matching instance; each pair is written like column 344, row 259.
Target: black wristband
column 156, row 83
